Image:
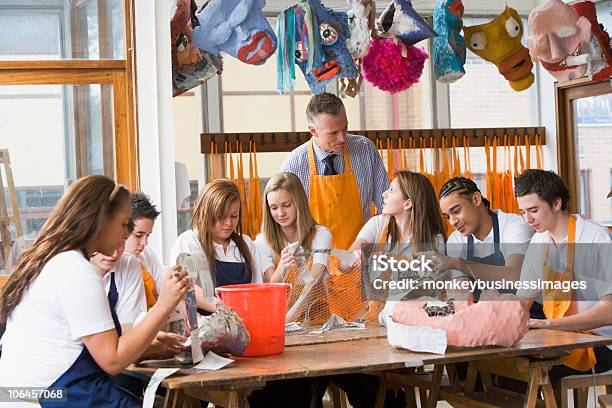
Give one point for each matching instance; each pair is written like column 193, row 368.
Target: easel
column 5, row 219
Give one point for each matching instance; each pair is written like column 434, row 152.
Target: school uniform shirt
column 154, row 266
column 188, row 242
column 321, row 240
column 370, row 172
column 373, row 229
column 591, row 265
column 43, row 334
column 513, row 231
column 371, row 233
column 132, row 299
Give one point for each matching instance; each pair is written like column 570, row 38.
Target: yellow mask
column 499, row 42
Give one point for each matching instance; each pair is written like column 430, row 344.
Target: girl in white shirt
column 216, row 233
column 286, row 220
column 410, row 215
column 61, row 331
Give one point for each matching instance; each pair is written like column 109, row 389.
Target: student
column 410, row 215
column 153, row 273
column 556, row 249
column 131, row 299
column 287, row 219
column 124, row 271
column 480, row 233
column 215, row 231
column 62, row 330
column 489, row 244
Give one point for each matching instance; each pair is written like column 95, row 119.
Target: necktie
column 329, row 169
column 113, row 297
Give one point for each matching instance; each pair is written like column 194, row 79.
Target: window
column 585, row 140
column 62, row 115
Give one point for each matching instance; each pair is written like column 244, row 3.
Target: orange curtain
column 254, row 193
column 242, row 189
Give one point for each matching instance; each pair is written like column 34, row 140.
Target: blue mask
column 449, row 45
column 400, row 20
column 236, row 27
column 313, row 37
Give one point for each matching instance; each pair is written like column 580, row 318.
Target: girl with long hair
column 410, row 215
column 287, row 220
column 216, row 232
column 59, row 317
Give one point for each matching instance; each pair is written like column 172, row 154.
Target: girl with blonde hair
column 287, row 219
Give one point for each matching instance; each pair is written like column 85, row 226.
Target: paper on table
column 416, row 338
column 158, row 377
column 213, row 362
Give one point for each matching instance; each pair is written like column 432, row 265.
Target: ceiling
column 473, row 7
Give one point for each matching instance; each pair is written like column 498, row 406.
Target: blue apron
column 86, row 384
column 497, row 259
column 232, row 273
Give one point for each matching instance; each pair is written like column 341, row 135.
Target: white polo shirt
column 512, row 230
column 43, row 334
column 188, row 242
column 153, row 265
column 591, row 265
column 321, row 240
column 132, row 298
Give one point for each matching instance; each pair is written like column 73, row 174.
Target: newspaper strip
column 160, row 375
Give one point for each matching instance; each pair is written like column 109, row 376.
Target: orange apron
column 559, row 302
column 335, row 203
column 149, row 286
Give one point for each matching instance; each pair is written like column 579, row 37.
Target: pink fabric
column 495, row 320
column 386, row 68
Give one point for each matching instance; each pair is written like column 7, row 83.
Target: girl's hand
column 176, row 285
column 166, row 345
column 287, row 258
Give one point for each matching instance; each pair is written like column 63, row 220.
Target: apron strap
column 311, row 158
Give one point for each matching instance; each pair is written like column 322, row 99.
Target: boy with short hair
column 566, row 248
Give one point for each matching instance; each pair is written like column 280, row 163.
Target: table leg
column 434, row 392
column 532, row 389
column 173, row 399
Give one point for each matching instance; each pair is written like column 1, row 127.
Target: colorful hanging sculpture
column 392, row 66
column 190, row 66
column 600, row 66
column 313, row 37
column 558, row 40
column 499, row 42
column 400, row 20
column 236, row 27
column 358, row 42
column 449, row 45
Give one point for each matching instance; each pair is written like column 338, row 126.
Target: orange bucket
column 262, row 307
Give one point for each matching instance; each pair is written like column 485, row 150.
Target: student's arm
column 113, row 353
column 510, row 271
column 598, row 316
column 201, row 302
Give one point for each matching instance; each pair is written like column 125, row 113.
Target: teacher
column 338, row 170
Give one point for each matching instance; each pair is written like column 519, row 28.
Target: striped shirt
column 372, row 179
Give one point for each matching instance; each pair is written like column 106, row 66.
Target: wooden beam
column 287, row 141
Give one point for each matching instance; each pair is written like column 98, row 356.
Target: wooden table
column 231, row 386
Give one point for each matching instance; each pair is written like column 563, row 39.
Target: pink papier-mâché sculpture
column 497, row 319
